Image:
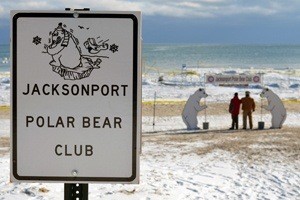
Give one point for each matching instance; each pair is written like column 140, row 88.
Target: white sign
column 76, row 96
column 233, row 79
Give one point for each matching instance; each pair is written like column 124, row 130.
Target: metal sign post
column 154, row 109
column 205, row 123
column 261, row 123
column 76, row 95
column 76, row 191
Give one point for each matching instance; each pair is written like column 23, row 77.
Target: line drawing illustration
column 65, row 50
column 94, row 47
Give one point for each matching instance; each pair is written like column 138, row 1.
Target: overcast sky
column 201, row 21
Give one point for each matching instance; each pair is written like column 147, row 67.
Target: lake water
column 235, row 56
column 169, row 57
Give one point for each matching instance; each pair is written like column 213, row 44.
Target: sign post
column 76, row 191
column 76, row 96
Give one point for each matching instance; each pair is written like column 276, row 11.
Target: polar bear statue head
column 200, row 93
column 266, row 92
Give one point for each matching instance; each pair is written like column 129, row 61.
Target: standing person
column 248, row 106
column 234, row 109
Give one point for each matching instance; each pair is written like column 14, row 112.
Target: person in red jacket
column 234, row 109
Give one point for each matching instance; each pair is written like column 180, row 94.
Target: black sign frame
column 134, row 96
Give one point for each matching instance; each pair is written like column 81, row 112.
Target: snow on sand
column 232, row 165
column 213, row 164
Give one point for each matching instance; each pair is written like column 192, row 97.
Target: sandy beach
column 177, row 164
column 174, row 108
column 212, row 164
column 169, row 108
column 4, row 112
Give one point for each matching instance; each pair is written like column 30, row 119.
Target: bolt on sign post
column 76, row 96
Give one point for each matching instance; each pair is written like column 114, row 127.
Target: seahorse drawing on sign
column 67, row 58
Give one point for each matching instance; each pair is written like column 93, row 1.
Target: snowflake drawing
column 36, row 40
column 113, row 48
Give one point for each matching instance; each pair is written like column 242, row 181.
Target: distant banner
column 239, row 79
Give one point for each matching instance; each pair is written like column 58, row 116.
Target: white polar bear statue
column 275, row 106
column 191, row 109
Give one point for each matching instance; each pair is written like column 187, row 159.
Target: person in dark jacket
column 234, row 109
column 248, row 106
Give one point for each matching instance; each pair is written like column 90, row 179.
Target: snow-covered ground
column 175, row 166
column 216, row 122
column 172, row 168
column 4, row 127
column 287, row 86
